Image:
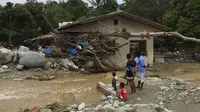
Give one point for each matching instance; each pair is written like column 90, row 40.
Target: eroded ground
column 77, row 88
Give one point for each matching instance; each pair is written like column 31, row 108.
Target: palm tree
column 97, row 3
column 31, row 0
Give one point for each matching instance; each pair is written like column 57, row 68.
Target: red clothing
column 124, row 94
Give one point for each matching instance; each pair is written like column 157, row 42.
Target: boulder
column 6, row 56
column 68, row 64
column 81, row 106
column 32, row 59
column 163, row 88
column 16, row 56
column 177, row 81
column 45, row 110
column 19, row 67
column 145, row 108
column 5, row 67
column 23, row 49
column 48, row 65
column 106, row 108
column 75, row 106
column 115, row 105
column 90, row 110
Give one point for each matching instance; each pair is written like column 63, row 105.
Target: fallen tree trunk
column 156, row 34
column 152, row 34
column 107, row 90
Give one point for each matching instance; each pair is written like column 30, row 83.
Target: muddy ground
column 75, row 88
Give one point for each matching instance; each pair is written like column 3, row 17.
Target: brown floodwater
column 71, row 89
column 75, row 89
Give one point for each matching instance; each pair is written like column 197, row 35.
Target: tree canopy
column 22, row 21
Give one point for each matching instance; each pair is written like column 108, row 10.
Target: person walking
column 141, row 69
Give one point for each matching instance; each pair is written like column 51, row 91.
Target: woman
column 141, row 69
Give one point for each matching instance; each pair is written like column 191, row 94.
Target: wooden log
column 153, row 34
column 107, row 90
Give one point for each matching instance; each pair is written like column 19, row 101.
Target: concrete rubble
column 177, row 91
column 113, row 104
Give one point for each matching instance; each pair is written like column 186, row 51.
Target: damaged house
column 113, row 22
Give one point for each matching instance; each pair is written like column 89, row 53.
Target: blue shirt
column 130, row 65
column 140, row 64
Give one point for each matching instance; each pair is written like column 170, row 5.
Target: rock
column 187, row 102
column 106, row 102
column 5, row 70
column 18, row 79
column 127, row 105
column 160, row 98
column 103, row 98
column 23, row 49
column 81, row 106
column 68, row 64
column 160, row 109
column 98, row 107
column 106, row 108
column 5, row 67
column 90, row 110
column 164, row 88
column 47, row 65
column 79, row 111
column 122, row 104
column 139, row 99
column 115, row 105
column 16, row 57
column 6, row 56
column 110, row 97
column 45, row 110
column 161, row 103
column 177, row 81
column 39, row 70
column 19, row 67
column 145, row 108
column 72, row 111
column 68, row 109
column 32, row 59
column 75, row 106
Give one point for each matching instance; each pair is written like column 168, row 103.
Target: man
column 141, row 69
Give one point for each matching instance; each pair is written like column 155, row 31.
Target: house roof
column 119, row 13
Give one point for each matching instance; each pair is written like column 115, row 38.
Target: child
column 130, row 70
column 128, row 57
column 123, row 93
column 114, row 81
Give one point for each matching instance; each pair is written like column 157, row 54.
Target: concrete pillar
column 150, row 51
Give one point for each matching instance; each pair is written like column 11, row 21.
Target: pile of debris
column 25, row 58
column 177, row 91
column 109, row 104
column 88, row 51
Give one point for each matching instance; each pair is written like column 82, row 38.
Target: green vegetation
column 22, row 21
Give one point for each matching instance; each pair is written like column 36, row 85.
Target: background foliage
column 22, row 21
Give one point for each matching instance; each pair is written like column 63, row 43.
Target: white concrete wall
column 131, row 26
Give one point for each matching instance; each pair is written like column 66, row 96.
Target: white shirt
column 116, row 78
